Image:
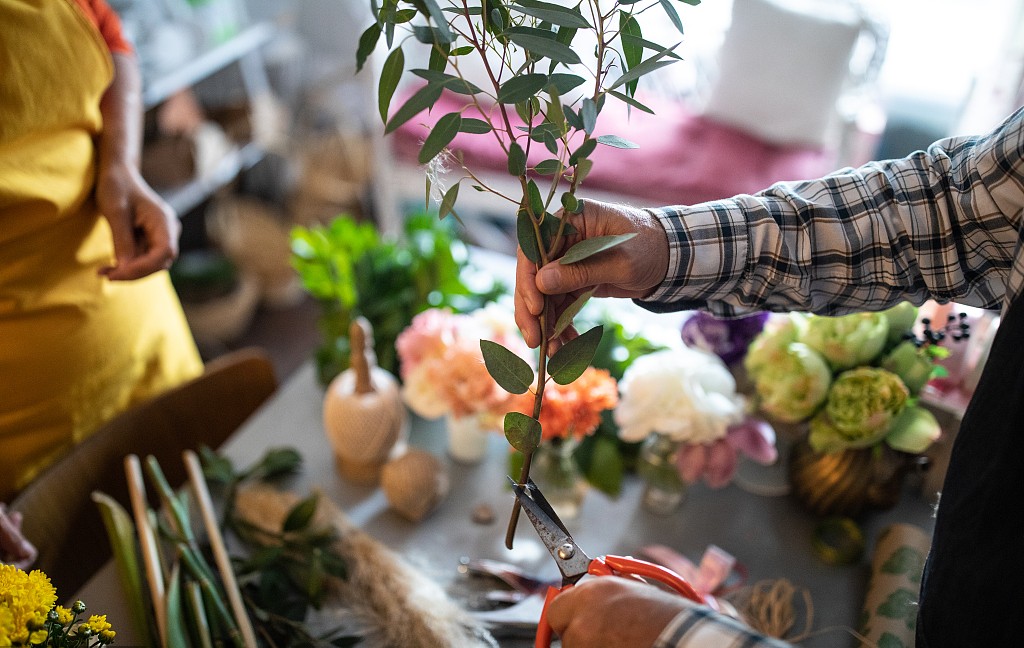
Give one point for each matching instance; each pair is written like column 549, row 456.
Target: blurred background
column 257, row 123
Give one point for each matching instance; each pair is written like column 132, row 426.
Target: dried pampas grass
column 384, row 599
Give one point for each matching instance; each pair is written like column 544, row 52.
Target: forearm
column 120, row 143
column 941, row 224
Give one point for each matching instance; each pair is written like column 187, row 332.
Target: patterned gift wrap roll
column 889, row 617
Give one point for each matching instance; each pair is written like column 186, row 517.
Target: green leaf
column 583, row 168
column 606, row 468
column 521, row 88
column 573, row 358
column 424, row 98
column 474, row 126
column 516, row 159
column 588, row 113
column 672, row 14
column 616, row 142
column 439, row 20
column 589, row 247
column 449, row 81
column 512, row 373
column 536, row 201
column 367, row 42
column 527, row 236
column 692, row 3
column 440, row 136
column 176, row 631
column 585, row 149
column 390, row 75
column 279, row 462
column 523, row 432
column 650, row 45
column 121, row 535
column 448, row 201
column 630, row 101
column 552, row 13
column 541, row 42
column 632, row 52
column 644, row 67
column 572, row 117
column 427, row 35
column 565, row 319
column 301, row 514
column 462, row 51
column 548, row 167
column 570, row 203
column 564, row 83
column 438, row 60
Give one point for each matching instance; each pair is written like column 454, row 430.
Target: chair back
column 60, row 518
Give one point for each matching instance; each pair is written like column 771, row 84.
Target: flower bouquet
column 852, row 382
column 684, row 405
column 30, row 616
column 443, row 373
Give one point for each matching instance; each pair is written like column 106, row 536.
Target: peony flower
column 420, row 393
column 463, row 383
column 716, row 462
column 913, row 364
column 794, row 385
column 726, row 338
column 849, row 340
column 901, row 319
column 573, row 409
column 770, row 344
column 861, row 406
column 427, row 336
column 684, row 393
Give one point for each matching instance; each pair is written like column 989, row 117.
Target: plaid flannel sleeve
column 942, row 224
column 700, row 626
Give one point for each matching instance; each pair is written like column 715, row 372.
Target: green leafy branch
column 531, row 67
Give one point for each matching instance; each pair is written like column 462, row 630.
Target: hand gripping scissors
column 574, row 564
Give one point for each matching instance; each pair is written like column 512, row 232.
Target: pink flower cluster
column 442, row 368
column 716, row 461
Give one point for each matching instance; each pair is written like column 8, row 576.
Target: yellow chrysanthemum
column 98, row 623
column 107, row 637
column 27, row 598
column 64, row 615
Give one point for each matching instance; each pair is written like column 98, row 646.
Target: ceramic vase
column 467, row 439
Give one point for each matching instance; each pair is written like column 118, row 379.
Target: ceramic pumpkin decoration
column 364, row 417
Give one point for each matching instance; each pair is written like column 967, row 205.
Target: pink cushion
column 684, row 158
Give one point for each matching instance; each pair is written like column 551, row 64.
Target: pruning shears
column 574, row 564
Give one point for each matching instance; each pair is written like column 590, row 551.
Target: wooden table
column 770, row 536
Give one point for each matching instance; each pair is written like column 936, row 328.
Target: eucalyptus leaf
column 512, row 373
column 474, row 126
column 632, row 52
column 390, row 75
column 571, row 311
column 449, row 81
column 564, row 82
column 583, row 168
column 516, row 159
column 278, row 462
column 427, row 35
column 672, row 14
column 424, row 98
column 630, row 101
column 523, row 432
column 521, row 88
column 570, row 203
column 645, row 67
column 584, row 151
column 367, row 42
column 552, row 13
column 549, row 167
column 589, row 247
column 536, row 201
column 588, row 113
column 439, row 57
column 439, row 20
column 650, row 45
column 542, row 43
column 448, row 201
column 616, row 142
column 440, row 136
column 572, row 117
column 526, row 234
column 462, row 51
column 573, row 357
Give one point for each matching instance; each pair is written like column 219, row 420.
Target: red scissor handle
column 622, row 566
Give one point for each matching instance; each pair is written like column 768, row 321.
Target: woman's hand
column 612, row 612
column 144, row 227
column 632, row 269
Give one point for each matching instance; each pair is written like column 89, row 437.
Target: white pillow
column 782, row 67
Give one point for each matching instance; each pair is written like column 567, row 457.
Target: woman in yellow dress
column 89, row 321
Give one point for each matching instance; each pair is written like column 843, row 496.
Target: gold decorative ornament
column 415, row 483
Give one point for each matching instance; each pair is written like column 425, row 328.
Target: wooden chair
column 60, row 518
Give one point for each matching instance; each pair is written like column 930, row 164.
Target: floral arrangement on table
column 442, row 367
column 30, row 616
column 539, row 102
column 854, row 382
column 683, row 404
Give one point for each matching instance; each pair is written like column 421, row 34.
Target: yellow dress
column 75, row 347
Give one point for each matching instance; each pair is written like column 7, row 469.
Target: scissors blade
column 572, row 561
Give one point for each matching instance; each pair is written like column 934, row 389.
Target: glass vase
column 558, row 476
column 664, row 489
